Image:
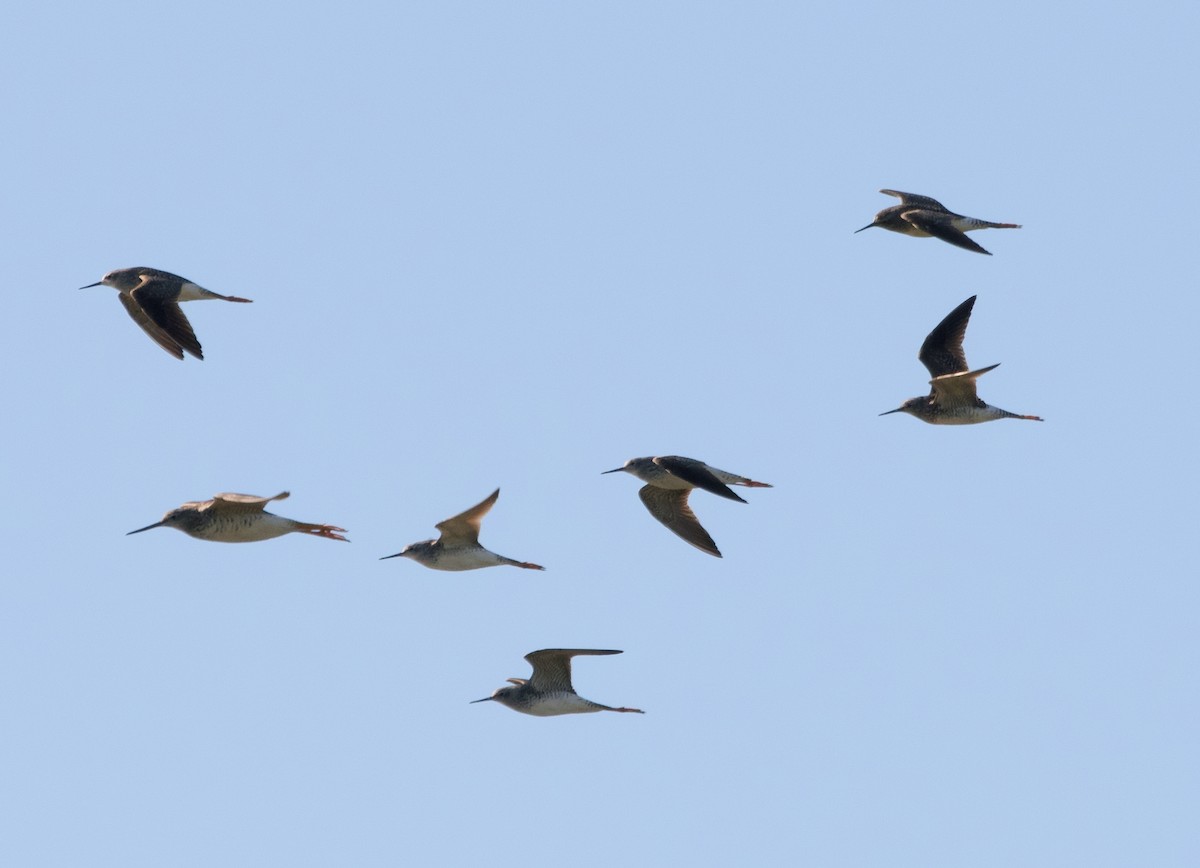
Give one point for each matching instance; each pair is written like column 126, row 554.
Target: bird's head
column 633, row 465
column 506, row 696
column 176, row 518
column 414, row 550
column 913, row 406
column 120, row 279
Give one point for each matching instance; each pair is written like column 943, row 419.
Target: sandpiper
column 952, row 400
column 922, row 217
column 152, row 298
column 458, row 547
column 670, row 479
column 549, row 692
column 235, row 518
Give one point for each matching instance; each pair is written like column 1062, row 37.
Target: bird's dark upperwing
column 942, row 352
column 162, row 308
column 148, row 325
column 697, row 473
column 942, row 226
column 916, row 200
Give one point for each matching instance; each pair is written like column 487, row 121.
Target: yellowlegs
column 952, row 400
column 458, row 547
column 922, row 217
column 548, row 691
column 670, row 479
column 152, row 298
column 235, row 518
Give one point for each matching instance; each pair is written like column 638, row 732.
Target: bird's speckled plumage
column 235, row 518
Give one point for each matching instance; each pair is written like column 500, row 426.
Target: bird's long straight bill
column 90, row 285
column 868, row 226
column 396, row 555
column 890, row 412
column 147, row 527
column 614, row 470
column 485, row 699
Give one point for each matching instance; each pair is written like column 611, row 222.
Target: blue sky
column 514, row 245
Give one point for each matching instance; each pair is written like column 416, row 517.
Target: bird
column 236, row 518
column 670, row 479
column 922, row 217
column 458, row 547
column 952, row 400
column 548, row 691
column 152, row 298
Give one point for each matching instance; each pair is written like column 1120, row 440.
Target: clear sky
column 515, row 244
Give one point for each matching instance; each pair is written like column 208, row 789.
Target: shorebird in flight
column 923, row 217
column 152, row 298
column 670, row 479
column 458, row 547
column 952, row 400
column 548, row 691
column 235, row 518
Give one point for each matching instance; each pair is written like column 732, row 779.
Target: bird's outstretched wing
column 942, row 352
column 670, row 506
column 464, row 527
column 156, row 297
column 916, row 200
column 552, row 667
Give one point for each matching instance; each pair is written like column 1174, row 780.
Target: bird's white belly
column 189, row 291
column 456, row 560
column 563, row 703
column 249, row 528
column 662, row 479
